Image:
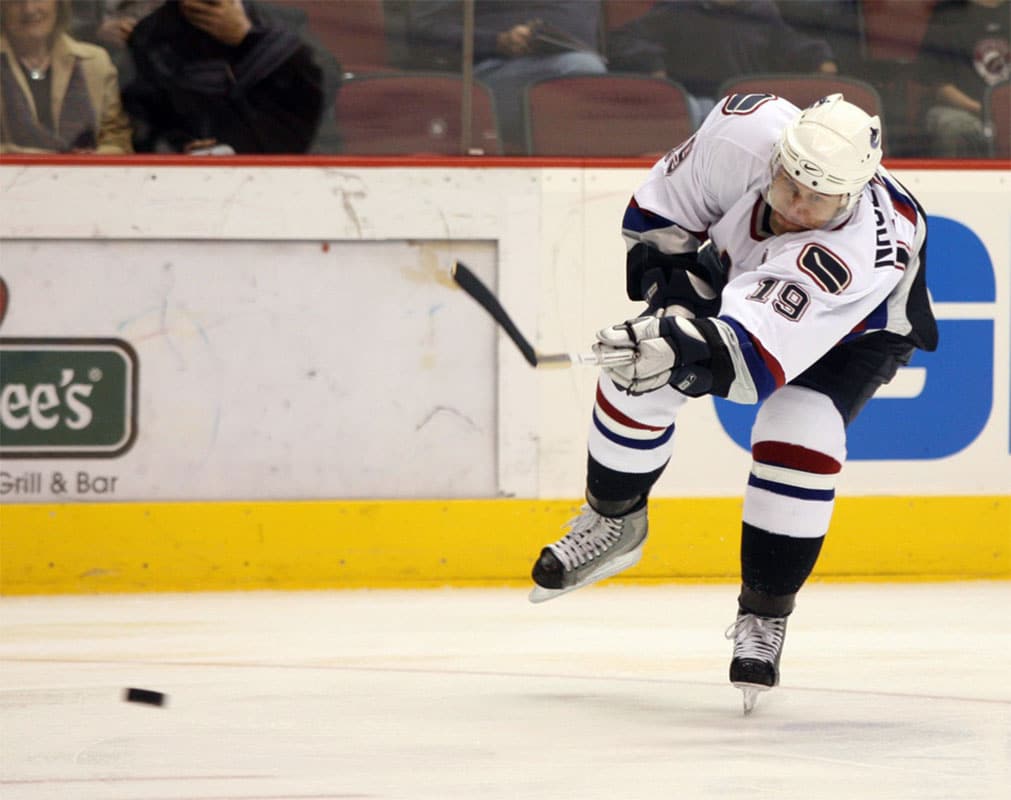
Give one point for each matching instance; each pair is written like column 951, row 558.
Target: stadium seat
column 891, row 38
column 605, row 115
column 997, row 114
column 401, row 113
column 353, row 30
column 892, row 30
column 620, row 12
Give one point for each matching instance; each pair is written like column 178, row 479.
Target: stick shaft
column 476, row 288
column 473, row 286
column 613, row 359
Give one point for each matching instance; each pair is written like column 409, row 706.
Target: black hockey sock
column 612, row 491
column 773, row 568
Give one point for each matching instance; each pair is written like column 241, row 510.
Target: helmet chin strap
column 844, row 212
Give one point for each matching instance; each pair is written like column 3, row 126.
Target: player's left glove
column 681, row 284
column 668, row 350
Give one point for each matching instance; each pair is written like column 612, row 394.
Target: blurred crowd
column 219, row 77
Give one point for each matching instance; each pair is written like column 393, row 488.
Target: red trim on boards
column 461, row 162
column 949, row 164
column 311, row 162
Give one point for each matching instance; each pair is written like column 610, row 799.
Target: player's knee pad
column 798, row 447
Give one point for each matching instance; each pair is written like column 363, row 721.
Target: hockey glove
column 679, row 294
column 681, row 284
column 668, row 350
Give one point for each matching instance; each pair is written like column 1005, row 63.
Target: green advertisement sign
column 67, row 398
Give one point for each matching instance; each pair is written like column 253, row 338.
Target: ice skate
column 758, row 644
column 596, row 547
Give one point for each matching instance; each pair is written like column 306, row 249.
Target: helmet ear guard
column 832, row 147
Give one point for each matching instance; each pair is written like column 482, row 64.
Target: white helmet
column 832, row 147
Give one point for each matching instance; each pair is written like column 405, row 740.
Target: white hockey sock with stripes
column 798, row 447
column 633, row 434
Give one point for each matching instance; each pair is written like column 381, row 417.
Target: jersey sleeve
column 695, row 184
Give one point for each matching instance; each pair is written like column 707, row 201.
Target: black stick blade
column 473, row 286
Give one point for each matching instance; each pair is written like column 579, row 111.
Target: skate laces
column 591, row 536
column 757, row 637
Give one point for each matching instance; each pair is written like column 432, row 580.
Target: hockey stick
column 473, row 286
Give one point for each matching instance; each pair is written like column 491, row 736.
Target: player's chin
column 787, row 224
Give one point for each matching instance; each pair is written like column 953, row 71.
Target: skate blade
column 751, row 694
column 541, row 595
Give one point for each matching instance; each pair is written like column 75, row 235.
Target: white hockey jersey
column 788, row 298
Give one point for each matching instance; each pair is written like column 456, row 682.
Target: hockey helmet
column 832, row 147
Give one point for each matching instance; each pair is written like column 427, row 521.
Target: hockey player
column 781, row 265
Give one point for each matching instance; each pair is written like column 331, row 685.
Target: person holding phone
column 221, row 77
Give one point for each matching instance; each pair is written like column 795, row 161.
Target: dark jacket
column 263, row 96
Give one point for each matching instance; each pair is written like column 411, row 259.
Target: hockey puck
column 146, row 696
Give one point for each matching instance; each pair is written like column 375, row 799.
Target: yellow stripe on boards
column 134, row 547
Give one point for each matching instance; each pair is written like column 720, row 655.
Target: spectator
column 56, row 94
column 328, row 138
column 702, row 43
column 109, row 23
column 964, row 51
column 222, row 76
column 514, row 43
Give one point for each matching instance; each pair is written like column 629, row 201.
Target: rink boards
column 129, row 547
column 268, row 380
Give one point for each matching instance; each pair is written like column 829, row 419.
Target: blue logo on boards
column 956, row 398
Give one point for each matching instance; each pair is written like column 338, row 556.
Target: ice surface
column 889, row 691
